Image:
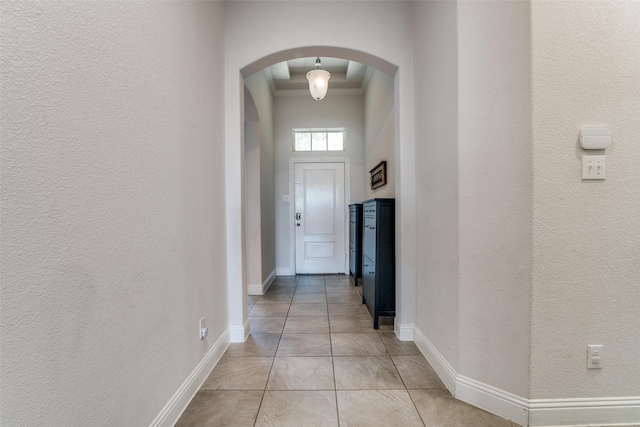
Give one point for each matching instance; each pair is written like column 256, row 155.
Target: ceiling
column 290, row 77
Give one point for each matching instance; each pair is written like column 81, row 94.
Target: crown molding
column 269, row 77
column 332, row 92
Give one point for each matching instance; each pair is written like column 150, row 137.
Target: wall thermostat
column 595, row 138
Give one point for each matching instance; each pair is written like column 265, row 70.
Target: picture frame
column 378, row 175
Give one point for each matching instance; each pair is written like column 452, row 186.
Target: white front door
column 319, row 218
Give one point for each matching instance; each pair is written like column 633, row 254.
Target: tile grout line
column 416, row 408
column 264, row 392
column 405, row 386
column 391, row 346
column 333, row 365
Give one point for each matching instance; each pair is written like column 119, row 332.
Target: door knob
column 298, row 224
column 298, row 216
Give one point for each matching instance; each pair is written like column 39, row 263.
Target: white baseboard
column 608, row 411
column 283, row 271
column 182, row 397
column 268, row 281
column 474, row 392
column 579, row 412
column 493, row 399
column 403, row 332
column 254, row 289
column 442, row 367
column 239, row 333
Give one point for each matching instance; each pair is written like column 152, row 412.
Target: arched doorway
column 235, row 185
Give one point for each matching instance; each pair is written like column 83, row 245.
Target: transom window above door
column 318, row 139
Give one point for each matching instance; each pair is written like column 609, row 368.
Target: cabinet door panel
column 352, row 231
column 352, row 257
column 368, row 281
column 369, row 237
column 370, row 209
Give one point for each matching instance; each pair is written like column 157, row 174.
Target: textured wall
column 495, row 192
column 437, row 183
column 586, row 71
column 259, row 88
column 252, row 191
column 112, row 206
column 379, row 132
column 334, row 111
column 267, row 182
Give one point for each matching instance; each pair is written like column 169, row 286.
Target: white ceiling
column 290, row 77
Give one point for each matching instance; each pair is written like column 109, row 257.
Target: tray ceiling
column 290, row 77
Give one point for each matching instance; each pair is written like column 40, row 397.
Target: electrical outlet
column 595, row 356
column 594, row 167
column 204, row 331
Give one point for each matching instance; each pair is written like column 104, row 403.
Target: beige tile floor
column 314, row 359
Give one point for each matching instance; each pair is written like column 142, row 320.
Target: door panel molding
column 319, row 199
column 347, row 200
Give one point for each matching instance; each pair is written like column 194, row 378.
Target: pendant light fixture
column 318, row 81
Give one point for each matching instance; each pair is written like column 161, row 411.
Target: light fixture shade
column 318, row 83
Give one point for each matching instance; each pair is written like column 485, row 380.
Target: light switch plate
column 594, row 167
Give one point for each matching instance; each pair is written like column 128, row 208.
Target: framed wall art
column 378, row 175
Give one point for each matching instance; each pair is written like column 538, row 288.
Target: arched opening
column 328, row 51
column 237, row 227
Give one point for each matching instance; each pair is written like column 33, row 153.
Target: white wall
column 547, row 263
column 112, row 207
column 473, row 151
column 379, row 132
column 495, row 193
column 437, row 181
column 334, row 111
column 267, row 188
column 586, row 234
column 252, row 193
column 260, row 211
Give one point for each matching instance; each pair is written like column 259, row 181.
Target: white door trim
column 292, row 208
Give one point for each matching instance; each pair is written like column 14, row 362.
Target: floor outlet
column 204, row 331
column 595, row 356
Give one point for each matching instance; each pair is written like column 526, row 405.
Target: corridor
column 313, row 359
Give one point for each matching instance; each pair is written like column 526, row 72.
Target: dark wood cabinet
column 355, row 241
column 379, row 261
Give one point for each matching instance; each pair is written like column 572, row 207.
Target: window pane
column 336, row 141
column 318, row 141
column 302, row 141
